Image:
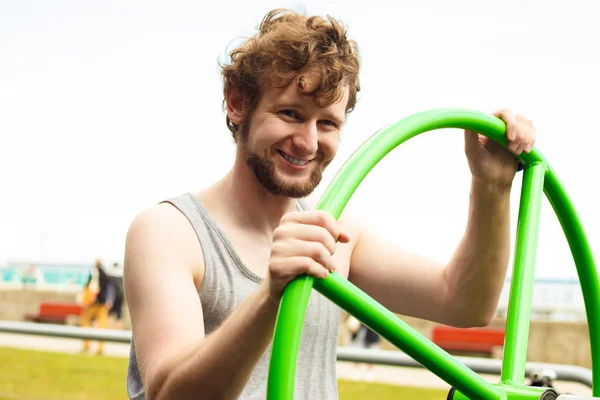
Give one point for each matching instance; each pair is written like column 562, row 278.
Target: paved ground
column 376, row 373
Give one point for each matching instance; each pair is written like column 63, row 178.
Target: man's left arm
column 465, row 291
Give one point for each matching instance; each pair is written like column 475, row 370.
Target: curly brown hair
column 290, row 47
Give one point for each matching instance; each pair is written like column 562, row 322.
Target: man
column 116, row 311
column 98, row 301
column 542, row 377
column 204, row 272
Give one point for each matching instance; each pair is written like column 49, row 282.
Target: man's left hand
column 490, row 163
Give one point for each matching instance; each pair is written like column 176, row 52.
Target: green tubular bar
column 521, row 289
column 292, row 310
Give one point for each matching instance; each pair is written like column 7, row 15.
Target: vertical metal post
column 521, row 289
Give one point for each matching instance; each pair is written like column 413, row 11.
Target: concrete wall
column 553, row 342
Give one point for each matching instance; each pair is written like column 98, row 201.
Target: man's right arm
column 175, row 358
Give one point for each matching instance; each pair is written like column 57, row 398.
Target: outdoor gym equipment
column 538, row 177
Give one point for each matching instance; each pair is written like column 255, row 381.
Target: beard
column 266, row 172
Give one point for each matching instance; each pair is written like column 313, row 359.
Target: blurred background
column 107, row 108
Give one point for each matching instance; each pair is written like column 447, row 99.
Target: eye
column 290, row 113
column 329, row 123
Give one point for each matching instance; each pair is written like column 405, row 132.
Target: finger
column 309, row 233
column 317, row 217
column 518, row 150
column 318, row 252
column 301, row 248
column 523, row 133
column 289, row 268
column 533, row 136
column 510, row 119
column 308, row 266
column 530, row 133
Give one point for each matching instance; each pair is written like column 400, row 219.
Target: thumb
column 472, row 141
column 344, row 237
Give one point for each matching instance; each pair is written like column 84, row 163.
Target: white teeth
column 294, row 161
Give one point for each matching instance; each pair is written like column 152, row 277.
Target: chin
column 296, row 188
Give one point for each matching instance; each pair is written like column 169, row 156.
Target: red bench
column 479, row 340
column 55, row 312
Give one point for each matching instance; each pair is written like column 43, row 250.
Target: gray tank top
column 227, row 283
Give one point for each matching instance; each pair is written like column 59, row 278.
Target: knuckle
column 287, row 217
column 324, row 236
column 322, row 217
column 330, row 244
column 327, row 217
column 274, row 267
column 504, row 112
column 278, row 234
column 306, row 264
column 318, row 251
column 317, row 270
column 276, row 247
column 325, row 255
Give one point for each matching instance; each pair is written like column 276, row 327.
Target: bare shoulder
column 163, row 232
column 163, row 270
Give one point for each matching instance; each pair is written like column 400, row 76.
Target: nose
column 306, row 138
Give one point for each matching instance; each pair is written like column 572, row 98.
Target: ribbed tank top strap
column 197, row 216
column 211, row 237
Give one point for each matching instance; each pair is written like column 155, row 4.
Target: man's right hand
column 303, row 243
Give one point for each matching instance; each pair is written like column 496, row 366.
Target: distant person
column 30, row 275
column 362, row 337
column 366, row 338
column 98, row 299
column 116, row 312
column 352, row 325
column 542, row 378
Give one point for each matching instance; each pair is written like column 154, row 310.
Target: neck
column 240, row 197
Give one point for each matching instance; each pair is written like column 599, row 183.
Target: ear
column 235, row 106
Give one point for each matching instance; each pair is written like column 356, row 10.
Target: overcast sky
column 109, row 107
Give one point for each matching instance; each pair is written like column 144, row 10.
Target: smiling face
column 288, row 140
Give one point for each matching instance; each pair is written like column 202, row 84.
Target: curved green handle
column 293, row 305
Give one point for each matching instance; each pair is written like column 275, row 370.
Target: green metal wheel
column 538, row 177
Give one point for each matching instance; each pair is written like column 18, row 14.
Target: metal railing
column 65, row 331
column 563, row 372
column 569, row 373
